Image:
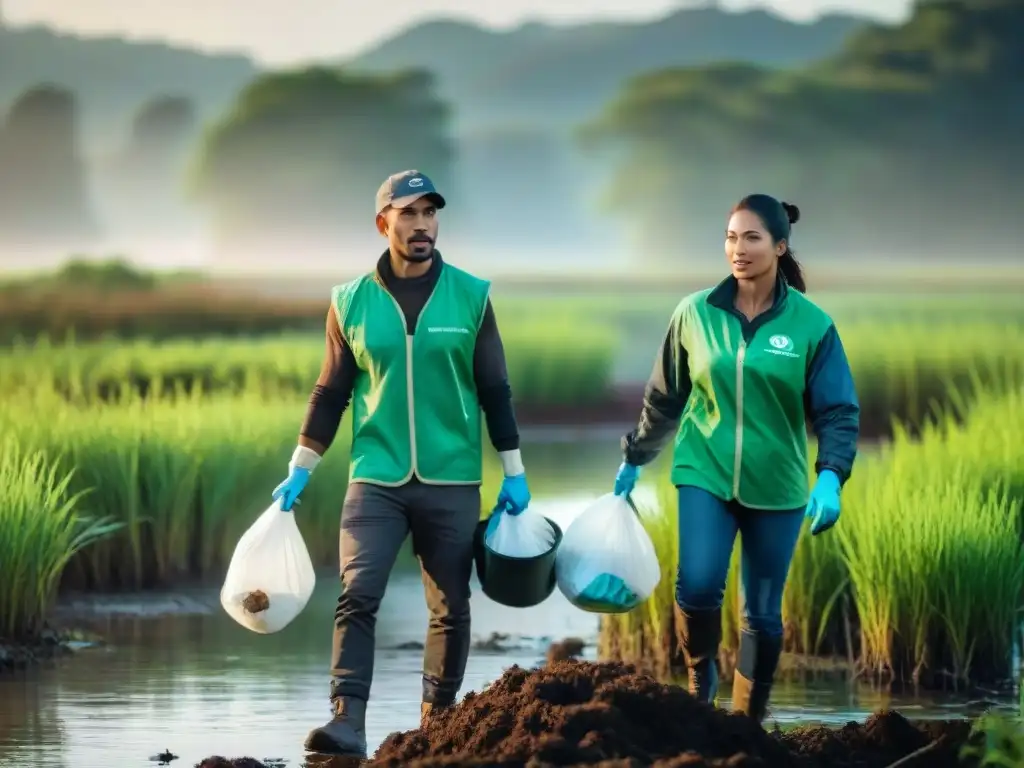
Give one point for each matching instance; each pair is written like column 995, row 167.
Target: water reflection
column 202, row 685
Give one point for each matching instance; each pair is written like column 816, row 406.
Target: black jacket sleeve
column 333, row 389
column 832, row 406
column 490, row 373
column 665, row 397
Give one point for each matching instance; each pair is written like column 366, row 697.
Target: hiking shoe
column 345, row 734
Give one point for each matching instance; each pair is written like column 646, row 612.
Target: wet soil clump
column 574, row 713
column 256, row 601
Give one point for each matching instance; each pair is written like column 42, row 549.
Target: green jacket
column 414, row 406
column 741, row 393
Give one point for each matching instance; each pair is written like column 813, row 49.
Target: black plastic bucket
column 518, row 582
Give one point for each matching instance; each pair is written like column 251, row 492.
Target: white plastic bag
column 270, row 578
column 606, row 562
column 528, row 534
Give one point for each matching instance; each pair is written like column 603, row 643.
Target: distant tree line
column 907, row 141
column 43, row 185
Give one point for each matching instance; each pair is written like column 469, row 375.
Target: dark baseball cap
column 401, row 190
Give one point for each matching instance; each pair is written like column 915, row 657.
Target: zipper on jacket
column 741, row 355
column 410, row 400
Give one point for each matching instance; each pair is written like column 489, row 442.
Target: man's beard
column 418, row 258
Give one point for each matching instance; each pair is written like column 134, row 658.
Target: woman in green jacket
column 743, row 367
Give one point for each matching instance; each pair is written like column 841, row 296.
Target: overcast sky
column 296, row 31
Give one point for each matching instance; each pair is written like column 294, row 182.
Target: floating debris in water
column 164, row 758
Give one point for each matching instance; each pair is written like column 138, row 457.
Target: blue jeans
column 707, row 532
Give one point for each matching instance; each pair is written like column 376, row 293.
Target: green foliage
column 555, row 76
column 112, row 274
column 884, row 139
column 308, row 149
column 82, row 274
column 998, row 742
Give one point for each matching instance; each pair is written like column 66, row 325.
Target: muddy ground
column 575, row 713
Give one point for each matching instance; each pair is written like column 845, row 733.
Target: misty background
column 611, row 144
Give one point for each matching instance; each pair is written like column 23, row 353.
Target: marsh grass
column 560, row 359
column 183, row 477
column 42, row 527
column 553, row 361
column 927, row 556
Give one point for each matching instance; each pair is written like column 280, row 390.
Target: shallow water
column 201, row 685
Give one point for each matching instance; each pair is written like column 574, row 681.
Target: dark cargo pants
column 375, row 521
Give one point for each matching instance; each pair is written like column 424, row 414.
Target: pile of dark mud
column 575, row 713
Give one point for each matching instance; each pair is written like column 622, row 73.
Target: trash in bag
column 528, row 534
column 270, row 578
column 606, row 562
column 515, row 557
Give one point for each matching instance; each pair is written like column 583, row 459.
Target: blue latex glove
column 514, row 496
column 625, row 480
column 823, row 508
column 292, row 487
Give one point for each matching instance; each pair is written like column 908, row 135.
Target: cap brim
column 405, row 202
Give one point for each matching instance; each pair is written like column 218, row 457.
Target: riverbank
column 51, row 645
column 75, row 619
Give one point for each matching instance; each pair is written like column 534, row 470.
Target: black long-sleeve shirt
column 665, row 397
column 334, row 386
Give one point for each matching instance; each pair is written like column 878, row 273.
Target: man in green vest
column 414, row 346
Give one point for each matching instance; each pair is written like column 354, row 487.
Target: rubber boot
column 756, row 663
column 700, row 633
column 345, row 734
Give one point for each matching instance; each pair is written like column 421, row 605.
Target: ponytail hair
column 778, row 218
column 791, row 269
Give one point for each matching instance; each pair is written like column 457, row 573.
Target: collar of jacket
column 384, row 274
column 723, row 295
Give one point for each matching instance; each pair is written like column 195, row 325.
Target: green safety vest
column 415, row 411
column 743, row 432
